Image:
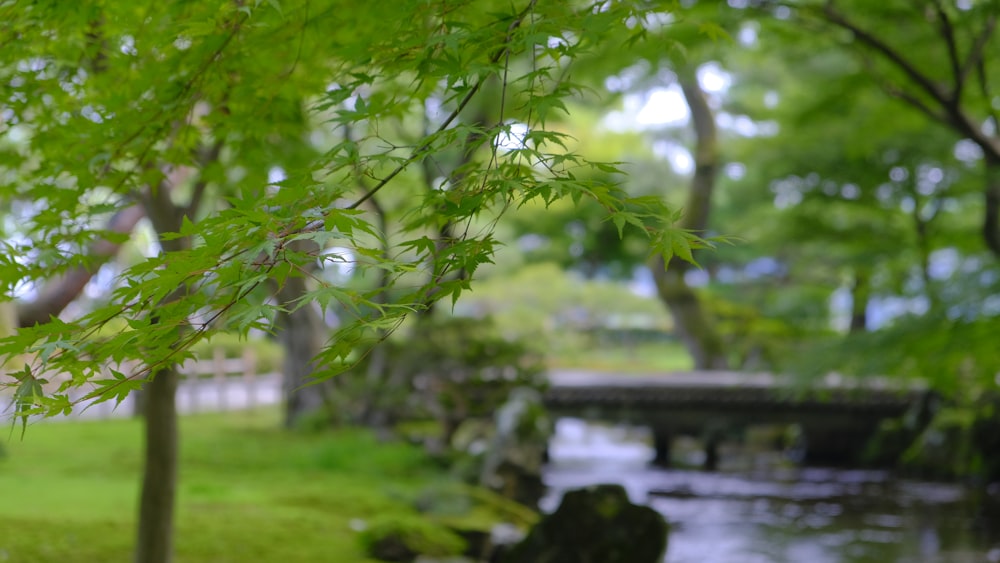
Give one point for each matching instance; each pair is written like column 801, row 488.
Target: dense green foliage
column 341, row 139
column 164, row 106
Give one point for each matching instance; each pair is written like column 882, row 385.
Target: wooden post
column 712, row 452
column 661, row 444
column 250, row 375
column 219, row 371
column 193, row 379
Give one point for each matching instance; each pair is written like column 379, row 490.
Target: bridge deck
column 708, row 389
column 724, row 379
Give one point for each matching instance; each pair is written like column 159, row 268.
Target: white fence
column 211, row 385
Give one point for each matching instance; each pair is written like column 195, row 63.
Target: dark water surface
column 766, row 513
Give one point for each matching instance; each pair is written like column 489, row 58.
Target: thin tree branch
column 186, row 89
column 953, row 114
column 901, row 62
column 894, row 91
column 975, row 57
column 984, row 88
column 914, row 101
column 948, row 33
column 423, row 147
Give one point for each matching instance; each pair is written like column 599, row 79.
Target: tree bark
column 859, row 302
column 154, row 542
column 159, row 479
column 692, row 322
column 991, row 221
column 301, row 334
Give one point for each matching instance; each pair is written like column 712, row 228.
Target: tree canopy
column 246, row 130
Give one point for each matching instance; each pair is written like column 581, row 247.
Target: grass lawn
column 248, row 492
column 640, row 358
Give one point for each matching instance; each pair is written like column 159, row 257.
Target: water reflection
column 768, row 514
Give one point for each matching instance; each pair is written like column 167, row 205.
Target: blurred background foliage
column 842, row 158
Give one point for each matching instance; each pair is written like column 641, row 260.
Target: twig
column 901, row 62
column 976, row 52
column 948, row 33
column 423, row 147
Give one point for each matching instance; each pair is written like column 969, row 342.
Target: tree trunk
column 991, row 221
column 859, row 302
column 301, row 334
column 159, row 480
column 692, row 322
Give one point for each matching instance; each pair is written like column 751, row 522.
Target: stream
column 760, row 510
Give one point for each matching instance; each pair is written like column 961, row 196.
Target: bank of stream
column 762, row 511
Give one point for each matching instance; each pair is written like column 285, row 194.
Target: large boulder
column 595, row 525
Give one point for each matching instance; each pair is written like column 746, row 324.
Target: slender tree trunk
column 301, row 333
column 860, row 292
column 692, row 322
column 159, row 480
column 921, row 227
column 991, row 221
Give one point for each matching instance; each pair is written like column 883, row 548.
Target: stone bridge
column 836, row 415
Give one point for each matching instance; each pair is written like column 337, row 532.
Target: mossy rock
column 474, row 513
column 597, row 524
column 404, row 537
column 471, row 507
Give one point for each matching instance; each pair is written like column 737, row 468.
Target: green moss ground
column 248, row 491
column 641, row 358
